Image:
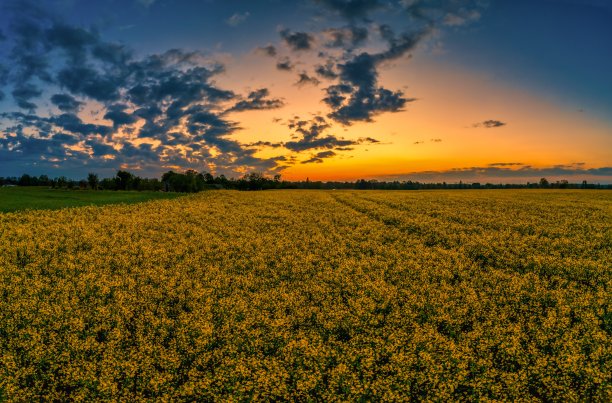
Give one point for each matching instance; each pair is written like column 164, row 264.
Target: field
column 311, row 296
column 21, row 198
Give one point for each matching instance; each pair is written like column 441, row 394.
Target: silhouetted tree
column 93, row 181
column 124, row 180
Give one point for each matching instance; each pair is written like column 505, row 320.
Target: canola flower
column 311, row 296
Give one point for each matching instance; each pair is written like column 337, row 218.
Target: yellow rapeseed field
column 311, row 296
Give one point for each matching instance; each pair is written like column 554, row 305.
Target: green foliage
column 21, row 198
column 311, row 296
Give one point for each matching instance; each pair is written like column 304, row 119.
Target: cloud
column 319, row 157
column 261, row 144
column 490, row 124
column 116, row 113
column 505, row 164
column 507, row 174
column 326, row 71
column 66, row 103
column 312, row 134
column 297, row 41
column 353, row 56
column 256, row 100
column 23, row 93
column 237, row 19
column 347, row 37
column 284, row 64
column 269, row 50
column 357, row 96
column 305, row 79
column 165, row 108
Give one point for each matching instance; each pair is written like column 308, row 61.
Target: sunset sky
column 428, row 90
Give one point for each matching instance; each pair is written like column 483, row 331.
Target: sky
column 431, row 90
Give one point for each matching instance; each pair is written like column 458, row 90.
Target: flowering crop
column 311, row 295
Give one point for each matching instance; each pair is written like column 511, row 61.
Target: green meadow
column 37, row 198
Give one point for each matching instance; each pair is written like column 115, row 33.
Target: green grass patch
column 22, row 198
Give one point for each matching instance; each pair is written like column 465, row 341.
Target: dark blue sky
column 104, row 84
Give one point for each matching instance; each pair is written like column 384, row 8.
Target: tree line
column 192, row 181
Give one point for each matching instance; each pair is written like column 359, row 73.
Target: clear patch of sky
column 188, row 24
column 560, row 49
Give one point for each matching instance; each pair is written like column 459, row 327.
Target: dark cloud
column 297, row 41
column 66, row 103
column 169, row 98
column 505, row 164
column 326, row 71
column 284, row 64
column 347, row 37
column 256, row 100
column 86, row 81
column 305, row 79
column 23, row 93
column 490, row 124
column 369, row 140
column 311, row 135
column 261, row 144
column 358, row 97
column 269, row 50
column 116, row 113
column 319, row 157
column 506, row 174
column 72, row 123
column 74, row 41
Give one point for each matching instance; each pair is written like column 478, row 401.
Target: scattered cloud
column 505, row 164
column 269, row 50
column 312, row 134
column 237, row 19
column 66, row 103
column 165, row 110
column 319, row 157
column 297, row 41
column 257, row 100
column 284, row 64
column 305, row 79
column 489, row 124
column 496, row 173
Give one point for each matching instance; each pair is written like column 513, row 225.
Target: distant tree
column 108, row 184
column 124, row 180
column 26, row 180
column 208, row 178
column 62, row 181
column 93, row 181
column 544, row 183
column 43, row 180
